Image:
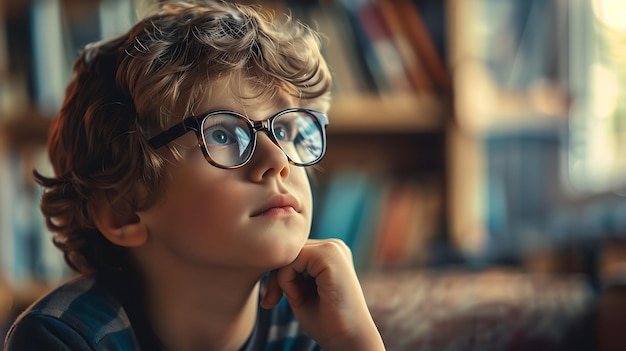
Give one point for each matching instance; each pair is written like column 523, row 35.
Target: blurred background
column 476, row 162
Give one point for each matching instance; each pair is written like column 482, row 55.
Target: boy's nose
column 268, row 159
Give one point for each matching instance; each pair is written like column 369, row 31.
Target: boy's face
column 257, row 216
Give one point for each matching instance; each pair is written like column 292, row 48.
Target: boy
column 179, row 158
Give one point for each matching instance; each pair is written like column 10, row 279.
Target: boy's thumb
column 273, row 293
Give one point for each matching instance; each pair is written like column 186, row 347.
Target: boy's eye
column 284, row 132
column 219, row 136
column 281, row 133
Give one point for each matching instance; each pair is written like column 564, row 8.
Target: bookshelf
column 387, row 133
column 390, row 137
column 508, row 80
column 517, row 99
column 404, row 113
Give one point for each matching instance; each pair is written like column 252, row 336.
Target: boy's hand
column 324, row 292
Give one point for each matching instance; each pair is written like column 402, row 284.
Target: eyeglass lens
column 229, row 138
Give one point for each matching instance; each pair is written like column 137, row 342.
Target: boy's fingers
column 298, row 279
column 273, row 292
column 294, row 285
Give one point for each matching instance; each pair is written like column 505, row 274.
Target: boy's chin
column 282, row 256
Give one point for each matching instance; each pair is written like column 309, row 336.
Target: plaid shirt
column 84, row 314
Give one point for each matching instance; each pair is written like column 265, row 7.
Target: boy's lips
column 283, row 201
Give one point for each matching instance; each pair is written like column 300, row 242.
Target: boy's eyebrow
column 244, row 111
column 281, row 104
column 211, row 109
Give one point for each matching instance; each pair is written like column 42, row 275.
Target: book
column 7, row 194
column 368, row 58
column 339, row 49
column 51, row 66
column 411, row 217
column 367, row 225
column 383, row 47
column 26, row 249
column 425, row 224
column 342, row 207
column 413, row 63
column 393, row 231
column 420, row 38
column 115, row 17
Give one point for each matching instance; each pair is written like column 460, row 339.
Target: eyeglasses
column 228, row 139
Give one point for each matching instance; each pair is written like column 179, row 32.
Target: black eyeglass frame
column 194, row 123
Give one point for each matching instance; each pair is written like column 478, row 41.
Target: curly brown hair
column 126, row 89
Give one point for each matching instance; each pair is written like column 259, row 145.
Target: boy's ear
column 118, row 222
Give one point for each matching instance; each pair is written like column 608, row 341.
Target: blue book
column 367, row 225
column 342, row 207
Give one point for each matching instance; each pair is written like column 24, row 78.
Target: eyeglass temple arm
column 172, row 133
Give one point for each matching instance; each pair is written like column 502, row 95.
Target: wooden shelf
column 404, row 113
column 25, row 129
column 13, row 299
column 28, row 292
column 367, row 113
